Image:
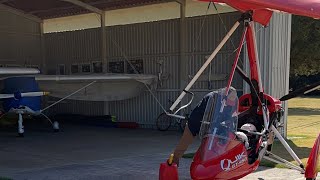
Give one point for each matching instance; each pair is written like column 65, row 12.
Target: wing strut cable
column 68, row 96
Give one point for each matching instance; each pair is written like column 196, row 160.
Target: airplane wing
column 107, row 87
column 263, row 9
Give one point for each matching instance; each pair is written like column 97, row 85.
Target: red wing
column 263, row 8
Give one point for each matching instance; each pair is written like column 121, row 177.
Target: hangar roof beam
column 20, row 13
column 86, row 6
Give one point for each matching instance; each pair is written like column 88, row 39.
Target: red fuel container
column 168, row 170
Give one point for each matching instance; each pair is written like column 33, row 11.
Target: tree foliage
column 305, row 46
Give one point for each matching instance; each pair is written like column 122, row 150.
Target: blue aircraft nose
column 17, row 95
column 17, row 86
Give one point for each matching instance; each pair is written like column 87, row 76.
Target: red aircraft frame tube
column 255, row 72
column 204, row 66
column 311, row 168
column 236, row 59
column 254, row 43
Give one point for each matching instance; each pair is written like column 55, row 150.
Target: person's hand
column 176, row 160
column 173, row 159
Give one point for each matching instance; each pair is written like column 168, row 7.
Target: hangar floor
column 82, row 152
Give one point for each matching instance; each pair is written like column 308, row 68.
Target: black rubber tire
column 163, row 122
column 310, row 179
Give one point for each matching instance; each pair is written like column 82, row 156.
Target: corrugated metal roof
column 46, row 9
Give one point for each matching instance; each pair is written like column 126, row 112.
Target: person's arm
column 183, row 144
column 191, row 130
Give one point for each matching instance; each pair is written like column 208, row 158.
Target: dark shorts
column 196, row 116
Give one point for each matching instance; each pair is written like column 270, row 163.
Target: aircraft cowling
column 18, row 85
column 226, row 161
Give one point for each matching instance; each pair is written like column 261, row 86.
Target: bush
column 297, row 82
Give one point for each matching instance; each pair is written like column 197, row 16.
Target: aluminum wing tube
column 214, row 53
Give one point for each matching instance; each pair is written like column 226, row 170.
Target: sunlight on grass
column 303, row 129
column 303, row 122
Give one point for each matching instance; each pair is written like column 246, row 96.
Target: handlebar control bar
column 182, row 107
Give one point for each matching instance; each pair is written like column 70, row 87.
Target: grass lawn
column 303, row 129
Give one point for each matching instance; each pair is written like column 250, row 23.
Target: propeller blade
column 18, row 70
column 33, row 94
column 27, row 94
column 301, row 91
column 5, row 96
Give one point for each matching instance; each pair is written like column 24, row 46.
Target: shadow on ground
column 302, row 111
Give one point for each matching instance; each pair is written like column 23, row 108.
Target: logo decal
column 227, row 164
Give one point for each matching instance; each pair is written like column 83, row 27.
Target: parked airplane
column 22, row 95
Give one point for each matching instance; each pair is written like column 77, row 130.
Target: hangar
column 169, row 39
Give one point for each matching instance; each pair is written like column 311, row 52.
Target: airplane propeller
column 304, row 90
column 19, row 95
column 301, row 91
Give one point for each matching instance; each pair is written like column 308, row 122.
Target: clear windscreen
column 219, row 124
column 221, row 115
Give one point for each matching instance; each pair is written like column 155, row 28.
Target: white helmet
column 249, row 127
column 242, row 137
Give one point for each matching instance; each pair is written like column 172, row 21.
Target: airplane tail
column 311, row 168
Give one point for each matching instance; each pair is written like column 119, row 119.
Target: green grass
column 303, row 129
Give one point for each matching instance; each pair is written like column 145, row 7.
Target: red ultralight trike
column 228, row 151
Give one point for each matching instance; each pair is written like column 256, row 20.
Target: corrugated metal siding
column 20, row 40
column 143, row 109
column 144, row 39
column 281, row 27
column 72, row 47
column 151, row 42
column 204, row 35
column 274, row 54
column 75, row 107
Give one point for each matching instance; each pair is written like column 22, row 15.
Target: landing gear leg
column 55, row 124
column 20, row 126
column 270, row 141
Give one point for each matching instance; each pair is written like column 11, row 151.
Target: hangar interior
column 172, row 49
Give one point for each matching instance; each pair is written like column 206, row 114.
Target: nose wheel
column 55, row 126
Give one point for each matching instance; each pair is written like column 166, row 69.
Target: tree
column 305, row 46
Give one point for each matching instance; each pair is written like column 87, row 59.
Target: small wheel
column 56, row 126
column 163, row 122
column 310, row 178
column 183, row 124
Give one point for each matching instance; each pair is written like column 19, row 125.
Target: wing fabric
column 263, row 8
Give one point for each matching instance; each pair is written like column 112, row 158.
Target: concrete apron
column 82, row 152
